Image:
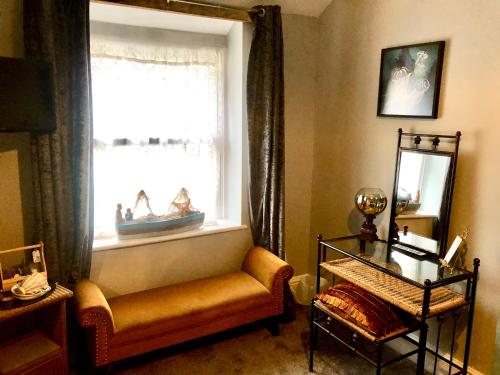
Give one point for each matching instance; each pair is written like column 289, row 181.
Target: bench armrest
column 270, row 271
column 93, row 312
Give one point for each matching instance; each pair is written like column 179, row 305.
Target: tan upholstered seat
column 140, row 322
column 181, row 306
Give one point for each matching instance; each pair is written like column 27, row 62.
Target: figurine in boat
column 181, row 217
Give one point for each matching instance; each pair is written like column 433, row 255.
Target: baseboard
column 443, row 366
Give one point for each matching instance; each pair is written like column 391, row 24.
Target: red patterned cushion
column 361, row 308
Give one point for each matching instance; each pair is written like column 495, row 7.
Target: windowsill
column 114, row 243
column 416, row 216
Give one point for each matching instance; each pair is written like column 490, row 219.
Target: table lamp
column 371, row 202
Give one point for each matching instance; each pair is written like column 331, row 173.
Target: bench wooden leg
column 274, row 327
column 104, row 370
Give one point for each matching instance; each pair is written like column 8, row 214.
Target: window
column 410, row 177
column 158, row 112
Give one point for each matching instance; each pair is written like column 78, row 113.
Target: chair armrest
column 93, row 312
column 90, row 303
column 270, row 271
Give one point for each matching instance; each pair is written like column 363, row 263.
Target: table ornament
column 370, row 202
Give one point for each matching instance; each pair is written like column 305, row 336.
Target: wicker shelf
column 59, row 294
column 407, row 297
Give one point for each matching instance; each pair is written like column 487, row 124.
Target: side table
column 419, row 288
column 33, row 337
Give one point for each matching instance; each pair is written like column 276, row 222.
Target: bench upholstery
column 139, row 322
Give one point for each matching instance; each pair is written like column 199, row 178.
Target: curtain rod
column 261, row 11
column 193, row 7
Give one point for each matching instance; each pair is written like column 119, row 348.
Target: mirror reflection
column 421, row 183
column 421, row 197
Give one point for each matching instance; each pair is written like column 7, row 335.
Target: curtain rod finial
column 261, row 12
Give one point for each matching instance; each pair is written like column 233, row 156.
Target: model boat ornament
column 181, row 205
column 141, row 207
column 142, row 222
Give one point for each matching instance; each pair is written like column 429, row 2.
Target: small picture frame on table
column 410, row 80
column 454, row 251
column 16, row 264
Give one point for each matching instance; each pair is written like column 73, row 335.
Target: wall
column 300, row 42
column 122, row 271
column 15, row 168
column 354, row 148
column 496, row 362
column 11, row 28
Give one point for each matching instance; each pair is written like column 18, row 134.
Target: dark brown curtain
column 57, row 31
column 265, row 105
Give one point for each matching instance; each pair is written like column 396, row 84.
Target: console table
column 33, row 337
column 418, row 287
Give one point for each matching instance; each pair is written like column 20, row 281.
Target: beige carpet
column 252, row 350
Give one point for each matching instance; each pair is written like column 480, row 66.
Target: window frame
column 238, row 37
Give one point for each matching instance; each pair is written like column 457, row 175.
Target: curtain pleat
column 57, row 31
column 265, row 105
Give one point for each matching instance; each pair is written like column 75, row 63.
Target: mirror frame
column 434, row 140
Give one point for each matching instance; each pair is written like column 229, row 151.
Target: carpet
column 252, row 350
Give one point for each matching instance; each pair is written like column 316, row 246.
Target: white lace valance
column 155, row 45
column 148, row 90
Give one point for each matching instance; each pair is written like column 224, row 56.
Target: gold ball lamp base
column 368, row 229
column 370, row 202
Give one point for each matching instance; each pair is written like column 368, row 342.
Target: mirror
column 423, row 188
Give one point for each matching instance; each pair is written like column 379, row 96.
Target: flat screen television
column 26, row 96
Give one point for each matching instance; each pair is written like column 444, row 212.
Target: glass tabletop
column 421, row 242
column 380, row 255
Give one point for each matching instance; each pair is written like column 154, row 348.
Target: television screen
column 26, row 96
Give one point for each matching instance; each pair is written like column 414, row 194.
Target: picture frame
column 18, row 263
column 454, row 252
column 410, row 80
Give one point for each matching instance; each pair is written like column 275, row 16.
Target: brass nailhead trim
column 100, row 322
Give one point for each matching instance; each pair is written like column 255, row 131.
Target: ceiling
column 136, row 16
column 106, row 12
column 312, row 8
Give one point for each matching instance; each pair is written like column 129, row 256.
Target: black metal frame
column 437, row 89
column 316, row 321
column 436, row 139
column 421, row 344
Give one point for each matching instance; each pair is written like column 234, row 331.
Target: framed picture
column 410, row 78
column 16, row 264
column 454, row 251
